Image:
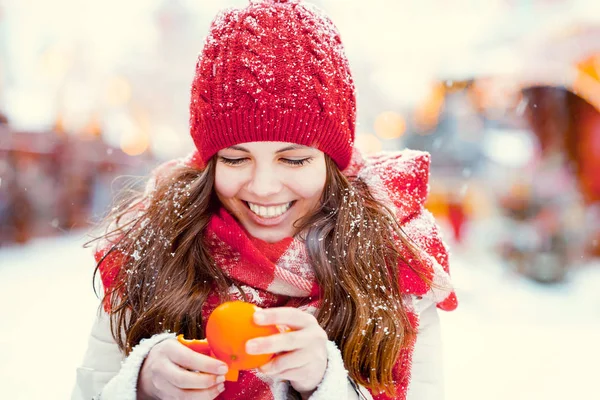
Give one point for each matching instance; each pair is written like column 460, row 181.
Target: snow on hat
column 273, row 71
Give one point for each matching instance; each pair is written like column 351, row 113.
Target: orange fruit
column 228, row 329
column 198, row 345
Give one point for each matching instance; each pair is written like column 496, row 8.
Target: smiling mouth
column 270, row 211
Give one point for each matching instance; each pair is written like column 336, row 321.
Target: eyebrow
column 239, row 148
column 292, row 147
column 288, row 148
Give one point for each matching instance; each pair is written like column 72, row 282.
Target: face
column 268, row 186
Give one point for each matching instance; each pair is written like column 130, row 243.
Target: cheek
column 309, row 184
column 227, row 182
column 309, row 188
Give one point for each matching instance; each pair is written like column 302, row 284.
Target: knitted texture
column 273, row 71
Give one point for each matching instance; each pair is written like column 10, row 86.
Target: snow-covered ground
column 509, row 339
column 514, row 339
column 47, row 307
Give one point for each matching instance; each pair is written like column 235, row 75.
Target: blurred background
column 505, row 95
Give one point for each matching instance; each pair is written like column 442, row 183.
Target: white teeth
column 269, row 212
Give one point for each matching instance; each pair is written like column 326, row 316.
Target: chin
column 269, row 235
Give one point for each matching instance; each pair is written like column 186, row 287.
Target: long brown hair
column 354, row 244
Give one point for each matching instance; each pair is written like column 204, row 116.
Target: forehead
column 273, row 147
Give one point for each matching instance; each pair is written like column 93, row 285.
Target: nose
column 264, row 181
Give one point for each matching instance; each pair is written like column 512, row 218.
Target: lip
column 258, row 220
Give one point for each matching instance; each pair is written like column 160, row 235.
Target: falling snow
column 501, row 319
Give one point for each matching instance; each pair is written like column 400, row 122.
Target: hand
column 304, row 353
column 168, row 374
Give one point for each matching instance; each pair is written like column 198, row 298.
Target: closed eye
column 297, row 162
column 232, row 161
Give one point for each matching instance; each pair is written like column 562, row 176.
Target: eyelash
column 238, row 161
column 231, row 161
column 302, row 161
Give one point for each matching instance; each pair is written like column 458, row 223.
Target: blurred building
column 51, row 183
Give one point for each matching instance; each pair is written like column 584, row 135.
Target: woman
column 274, row 207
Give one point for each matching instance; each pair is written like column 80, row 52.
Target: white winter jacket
column 106, row 374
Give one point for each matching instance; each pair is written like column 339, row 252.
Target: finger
column 292, row 317
column 213, row 392
column 203, row 394
column 307, row 375
column 278, row 343
column 194, row 394
column 292, row 375
column 184, row 379
column 189, row 359
column 286, row 362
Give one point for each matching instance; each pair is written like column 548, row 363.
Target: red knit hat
column 273, row 71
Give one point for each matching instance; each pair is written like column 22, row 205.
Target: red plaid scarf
column 279, row 274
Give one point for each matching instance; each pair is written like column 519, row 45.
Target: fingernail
column 220, row 379
column 259, row 317
column 222, row 369
column 221, row 387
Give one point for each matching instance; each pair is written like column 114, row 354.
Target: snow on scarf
column 275, row 275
